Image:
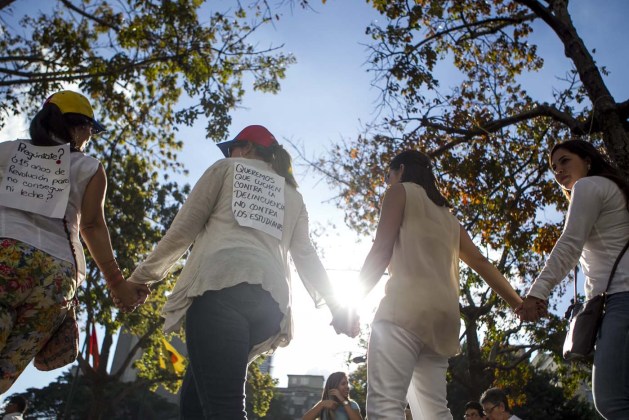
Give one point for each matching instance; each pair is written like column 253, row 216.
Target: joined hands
column 128, row 296
column 346, row 321
column 532, row 309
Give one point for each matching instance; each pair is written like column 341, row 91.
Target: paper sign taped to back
column 37, row 179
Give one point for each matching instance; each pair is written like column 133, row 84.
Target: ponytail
column 280, row 161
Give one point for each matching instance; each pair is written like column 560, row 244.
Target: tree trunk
column 477, row 382
column 5, row 3
column 616, row 142
column 604, row 107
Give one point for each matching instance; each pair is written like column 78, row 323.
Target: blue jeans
column 610, row 377
column 221, row 328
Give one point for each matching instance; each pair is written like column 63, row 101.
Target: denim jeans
column 221, row 328
column 610, row 377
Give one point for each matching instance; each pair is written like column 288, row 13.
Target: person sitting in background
column 496, row 405
column 335, row 403
column 15, row 408
column 474, row 411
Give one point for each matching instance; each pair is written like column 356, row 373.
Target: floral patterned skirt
column 35, row 292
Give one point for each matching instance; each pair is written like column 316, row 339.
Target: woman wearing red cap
column 50, row 191
column 243, row 216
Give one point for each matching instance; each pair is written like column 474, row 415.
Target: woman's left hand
column 337, row 395
column 532, row 309
column 128, row 296
column 346, row 321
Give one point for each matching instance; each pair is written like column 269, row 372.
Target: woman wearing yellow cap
column 244, row 216
column 49, row 191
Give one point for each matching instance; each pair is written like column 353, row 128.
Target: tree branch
column 542, row 110
column 5, row 3
column 623, row 109
column 134, row 349
column 83, row 13
column 503, row 21
column 543, row 12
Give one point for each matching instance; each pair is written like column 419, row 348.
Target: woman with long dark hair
column 416, row 327
column 42, row 262
column 244, row 216
column 595, row 232
column 335, row 403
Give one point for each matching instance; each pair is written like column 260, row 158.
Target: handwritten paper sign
column 258, row 199
column 37, row 179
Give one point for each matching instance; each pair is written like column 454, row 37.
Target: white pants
column 401, row 368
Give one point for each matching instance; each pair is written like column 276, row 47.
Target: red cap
column 256, row 134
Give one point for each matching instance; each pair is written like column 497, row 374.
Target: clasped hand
column 346, row 321
column 128, row 296
column 532, row 309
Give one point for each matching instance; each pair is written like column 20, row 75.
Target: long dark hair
column 333, row 381
column 418, row 169
column 599, row 165
column 280, row 161
column 49, row 127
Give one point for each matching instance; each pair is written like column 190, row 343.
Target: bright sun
column 347, row 288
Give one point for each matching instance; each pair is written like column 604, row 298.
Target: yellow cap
column 70, row 102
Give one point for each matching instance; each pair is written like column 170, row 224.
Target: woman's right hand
column 329, row 404
column 346, row 321
column 128, row 296
column 532, row 309
column 335, row 393
column 315, row 411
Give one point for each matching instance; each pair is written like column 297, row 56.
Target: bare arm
column 352, row 413
column 93, row 227
column 470, row 254
column 95, row 233
column 386, row 235
column 315, row 412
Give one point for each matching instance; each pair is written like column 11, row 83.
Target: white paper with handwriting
column 37, row 179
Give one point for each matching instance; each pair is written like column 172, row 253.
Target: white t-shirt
column 595, row 231
column 45, row 233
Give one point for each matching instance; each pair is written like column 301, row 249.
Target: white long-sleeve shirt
column 595, row 231
column 225, row 254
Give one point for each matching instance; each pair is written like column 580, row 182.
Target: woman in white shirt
column 243, row 216
column 595, row 231
column 416, row 327
column 42, row 262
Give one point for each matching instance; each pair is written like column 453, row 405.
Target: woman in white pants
column 416, row 327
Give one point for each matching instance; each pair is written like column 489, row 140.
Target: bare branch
column 5, row 3
column 83, row 13
column 501, row 21
column 316, row 166
column 542, row 110
column 134, row 349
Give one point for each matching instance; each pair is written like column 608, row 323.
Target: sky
column 326, row 98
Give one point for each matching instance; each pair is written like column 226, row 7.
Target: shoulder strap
column 576, row 270
column 611, row 275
